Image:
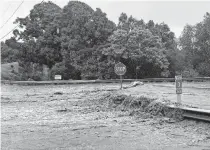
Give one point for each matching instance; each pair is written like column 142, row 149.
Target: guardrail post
column 178, row 80
column 121, row 81
column 179, row 99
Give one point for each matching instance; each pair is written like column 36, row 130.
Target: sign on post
column 58, row 77
column 120, row 69
column 178, row 80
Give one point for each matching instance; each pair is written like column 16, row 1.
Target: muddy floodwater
column 65, row 117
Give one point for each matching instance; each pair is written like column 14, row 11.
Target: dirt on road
column 90, row 117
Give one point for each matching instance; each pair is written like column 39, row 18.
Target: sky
column 174, row 13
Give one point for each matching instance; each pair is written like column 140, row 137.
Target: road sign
column 120, row 69
column 178, row 90
column 58, row 77
column 178, row 80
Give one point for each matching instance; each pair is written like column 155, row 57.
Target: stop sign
column 120, row 69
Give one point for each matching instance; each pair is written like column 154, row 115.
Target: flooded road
column 67, row 117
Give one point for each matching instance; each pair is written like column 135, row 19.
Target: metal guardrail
column 194, row 113
column 198, row 79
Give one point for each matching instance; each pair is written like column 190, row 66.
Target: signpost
column 120, row 69
column 58, row 77
column 178, row 80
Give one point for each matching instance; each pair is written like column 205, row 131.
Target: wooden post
column 178, row 80
column 179, row 99
column 121, row 81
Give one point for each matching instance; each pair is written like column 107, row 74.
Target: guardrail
column 194, row 113
column 198, row 79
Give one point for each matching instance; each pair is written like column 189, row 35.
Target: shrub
column 66, row 71
column 204, row 69
column 37, row 76
column 189, row 72
column 11, row 76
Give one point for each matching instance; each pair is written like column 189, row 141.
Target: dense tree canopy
column 195, row 45
column 137, row 46
column 40, row 34
column 79, row 42
column 82, row 29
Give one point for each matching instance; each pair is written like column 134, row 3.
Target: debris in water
column 134, row 84
column 58, row 93
column 140, row 104
column 63, row 110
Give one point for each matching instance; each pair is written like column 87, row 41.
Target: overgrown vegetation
column 81, row 43
column 136, row 106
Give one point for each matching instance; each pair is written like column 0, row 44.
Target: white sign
column 58, row 77
column 120, row 69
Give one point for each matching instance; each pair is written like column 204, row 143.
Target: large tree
column 9, row 53
column 137, row 47
column 82, row 30
column 40, row 34
column 195, row 44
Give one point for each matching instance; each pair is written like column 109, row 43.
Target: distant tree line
column 81, row 43
column 195, row 48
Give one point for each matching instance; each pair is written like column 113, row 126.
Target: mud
column 93, row 117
